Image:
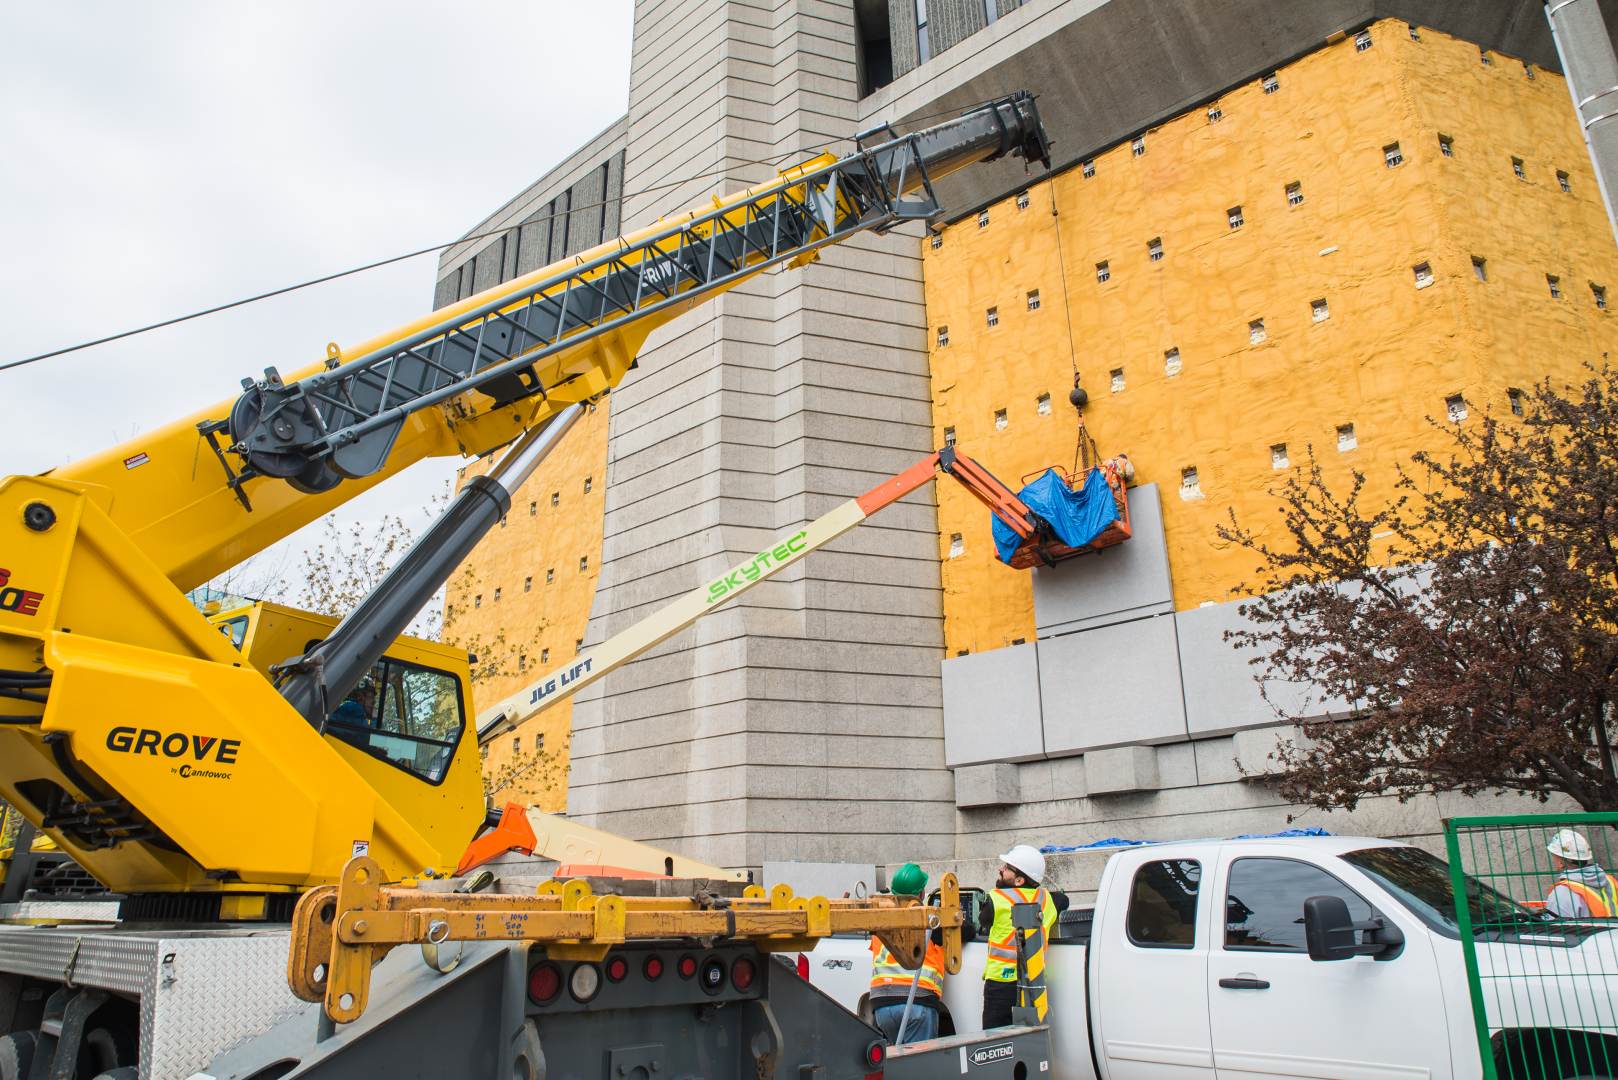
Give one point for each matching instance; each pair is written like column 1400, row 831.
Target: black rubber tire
column 107, row 1048
column 16, row 1055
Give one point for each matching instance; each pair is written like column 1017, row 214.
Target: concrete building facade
column 819, row 718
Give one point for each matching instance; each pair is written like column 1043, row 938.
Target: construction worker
column 892, row 985
column 359, row 707
column 1583, row 890
column 1021, row 871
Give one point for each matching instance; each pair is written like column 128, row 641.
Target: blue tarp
column 1116, row 842
column 1077, row 517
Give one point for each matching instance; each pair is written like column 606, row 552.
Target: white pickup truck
column 1234, row 959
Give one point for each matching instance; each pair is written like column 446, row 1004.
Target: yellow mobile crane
column 209, row 777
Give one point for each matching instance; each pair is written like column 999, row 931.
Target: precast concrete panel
column 1122, row 582
column 992, row 707
column 1112, row 686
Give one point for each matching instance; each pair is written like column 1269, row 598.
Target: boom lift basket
column 1070, row 509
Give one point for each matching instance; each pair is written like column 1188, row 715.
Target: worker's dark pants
column 998, row 998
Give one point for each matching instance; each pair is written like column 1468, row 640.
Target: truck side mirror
column 1329, row 932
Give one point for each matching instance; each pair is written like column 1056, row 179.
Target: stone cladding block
column 1125, row 769
column 986, row 785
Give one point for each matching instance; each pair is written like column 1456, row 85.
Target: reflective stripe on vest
column 1001, row 965
column 886, row 971
column 1602, row 902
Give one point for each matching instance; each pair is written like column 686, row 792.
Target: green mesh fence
column 1541, row 942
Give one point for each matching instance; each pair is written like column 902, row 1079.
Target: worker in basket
column 1022, row 869
column 1583, row 890
column 900, row 997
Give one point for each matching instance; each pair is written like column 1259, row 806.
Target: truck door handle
column 1245, row 984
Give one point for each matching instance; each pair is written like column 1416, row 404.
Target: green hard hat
column 909, row 880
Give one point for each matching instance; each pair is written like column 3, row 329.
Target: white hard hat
column 1027, row 859
column 1570, row 844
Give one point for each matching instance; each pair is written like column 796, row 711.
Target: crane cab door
column 405, row 730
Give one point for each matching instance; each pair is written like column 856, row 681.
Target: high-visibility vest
column 890, row 979
column 1602, row 902
column 1001, row 965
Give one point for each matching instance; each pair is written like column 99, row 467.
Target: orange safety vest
column 890, row 979
column 1603, row 903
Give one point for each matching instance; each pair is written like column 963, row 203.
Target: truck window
column 413, row 721
column 1421, row 882
column 1264, row 903
column 1163, row 904
column 235, row 629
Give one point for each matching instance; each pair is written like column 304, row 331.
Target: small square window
column 544, row 656
column 550, row 575
column 1514, row 396
column 1415, row 32
column 539, row 742
column 533, row 509
column 936, row 241
column 992, row 316
column 1117, row 377
column 1517, row 169
column 1362, row 41
column 1528, row 71
column 1234, row 216
column 477, row 601
column 1103, row 272
column 983, row 219
column 943, row 336
column 1033, row 299
column 1022, row 200
column 1555, row 285
column 1346, row 439
column 1138, row 147
column 1319, row 310
column 556, row 498
column 1391, row 155
column 1599, row 294
column 528, row 583
column 1088, row 168
column 949, row 436
column 1484, row 59
column 516, row 744
column 1255, row 332
column 1154, row 249
column 1215, row 114
column 1000, row 420
column 1446, row 146
column 584, row 563
column 1278, row 456
column 1190, row 485
column 589, row 481
column 1042, row 404
column 1455, row 408
column 1272, row 83
column 522, row 662
column 957, row 545
column 1295, row 194
column 1171, row 363
column 497, row 596
column 1480, row 268
column 1562, row 181
column 1423, row 274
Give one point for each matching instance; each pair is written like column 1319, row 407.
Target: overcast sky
column 161, row 157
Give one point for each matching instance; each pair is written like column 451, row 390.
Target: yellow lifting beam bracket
column 339, row 932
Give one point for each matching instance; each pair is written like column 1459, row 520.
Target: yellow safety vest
column 1602, row 902
column 1001, row 965
column 890, row 979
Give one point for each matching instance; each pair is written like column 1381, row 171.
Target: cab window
column 1264, row 904
column 408, row 715
column 1163, row 904
column 234, row 629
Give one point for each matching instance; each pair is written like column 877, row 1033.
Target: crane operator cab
column 404, row 728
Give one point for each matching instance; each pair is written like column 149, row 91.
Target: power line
column 122, row 334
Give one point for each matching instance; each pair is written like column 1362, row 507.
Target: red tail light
column 617, row 969
column 803, row 967
column 544, row 983
column 653, row 968
column 742, row 973
column 876, row 1053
